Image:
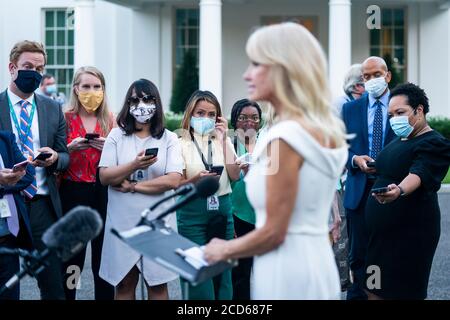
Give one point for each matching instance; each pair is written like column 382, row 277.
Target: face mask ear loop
column 414, row 125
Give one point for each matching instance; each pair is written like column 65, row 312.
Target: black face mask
column 28, row 80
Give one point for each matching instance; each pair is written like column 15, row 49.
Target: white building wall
column 239, row 19
column 28, row 25
column 113, row 51
column 139, row 43
column 427, row 48
column 434, row 55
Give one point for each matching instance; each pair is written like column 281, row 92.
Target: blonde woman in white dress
column 292, row 184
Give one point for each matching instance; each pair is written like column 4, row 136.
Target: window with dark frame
column 59, row 44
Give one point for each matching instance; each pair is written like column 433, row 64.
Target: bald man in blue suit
column 367, row 118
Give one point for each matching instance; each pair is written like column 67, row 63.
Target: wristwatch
column 402, row 192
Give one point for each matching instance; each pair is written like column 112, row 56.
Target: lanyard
column 22, row 137
column 208, row 164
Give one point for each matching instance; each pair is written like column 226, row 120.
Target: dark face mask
column 28, row 80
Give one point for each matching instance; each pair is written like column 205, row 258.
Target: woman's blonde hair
column 298, row 73
column 102, row 113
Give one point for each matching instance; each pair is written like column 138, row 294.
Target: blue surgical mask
column 375, row 87
column 401, row 127
column 202, row 125
column 50, row 89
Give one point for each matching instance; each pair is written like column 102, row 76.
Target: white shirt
column 41, row 177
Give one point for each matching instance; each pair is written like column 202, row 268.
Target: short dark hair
column 416, row 96
column 127, row 122
column 45, row 77
column 237, row 109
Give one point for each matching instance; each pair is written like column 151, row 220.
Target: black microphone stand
column 33, row 263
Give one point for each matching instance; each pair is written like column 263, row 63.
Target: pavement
column 438, row 287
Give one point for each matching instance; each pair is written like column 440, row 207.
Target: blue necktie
column 26, row 138
column 377, row 136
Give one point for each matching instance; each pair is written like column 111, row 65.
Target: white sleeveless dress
column 303, row 266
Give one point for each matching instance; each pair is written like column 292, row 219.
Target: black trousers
column 241, row 273
column 42, row 216
column 95, row 196
column 357, row 236
column 9, row 266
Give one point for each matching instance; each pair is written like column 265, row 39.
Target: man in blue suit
column 15, row 230
column 367, row 118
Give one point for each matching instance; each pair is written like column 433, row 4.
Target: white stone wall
column 131, row 44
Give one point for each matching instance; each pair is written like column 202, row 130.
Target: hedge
column 441, row 125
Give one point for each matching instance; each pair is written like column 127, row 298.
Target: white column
column 339, row 50
column 210, row 60
column 84, row 33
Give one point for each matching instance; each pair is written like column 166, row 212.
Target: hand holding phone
column 217, row 169
column 21, row 166
column 245, row 159
column 91, row 136
column 153, row 152
column 371, row 164
column 43, row 156
column 379, row 190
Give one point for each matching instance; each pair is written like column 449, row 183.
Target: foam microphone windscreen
column 207, row 186
column 72, row 232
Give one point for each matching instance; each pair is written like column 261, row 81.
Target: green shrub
column 447, row 177
column 441, row 125
column 186, row 82
column 173, row 120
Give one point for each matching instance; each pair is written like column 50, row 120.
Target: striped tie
column 26, row 139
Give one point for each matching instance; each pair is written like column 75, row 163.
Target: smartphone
column 42, row 156
column 91, row 136
column 217, row 169
column 151, row 152
column 371, row 164
column 20, row 166
column 379, row 190
column 246, row 158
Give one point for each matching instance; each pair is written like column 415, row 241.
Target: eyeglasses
column 243, row 118
column 144, row 99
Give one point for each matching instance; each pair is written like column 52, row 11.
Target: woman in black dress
column 404, row 223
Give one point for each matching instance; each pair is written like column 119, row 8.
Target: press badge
column 139, row 175
column 5, row 212
column 213, row 203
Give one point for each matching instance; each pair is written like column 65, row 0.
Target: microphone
column 178, row 192
column 204, row 188
column 65, row 237
column 73, row 231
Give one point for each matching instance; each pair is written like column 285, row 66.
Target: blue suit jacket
column 12, row 155
column 354, row 114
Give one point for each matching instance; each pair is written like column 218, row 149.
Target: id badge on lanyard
column 5, row 212
column 213, row 203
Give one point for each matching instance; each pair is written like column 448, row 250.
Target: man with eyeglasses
column 39, row 126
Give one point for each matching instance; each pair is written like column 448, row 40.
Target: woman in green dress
column 245, row 120
column 205, row 146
